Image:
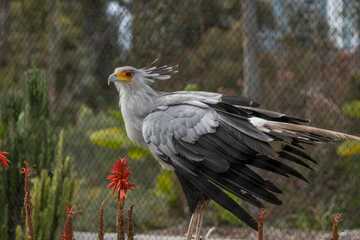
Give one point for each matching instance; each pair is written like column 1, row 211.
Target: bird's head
column 133, row 76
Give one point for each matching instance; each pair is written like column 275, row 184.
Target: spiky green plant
column 28, row 134
column 50, row 191
column 24, row 117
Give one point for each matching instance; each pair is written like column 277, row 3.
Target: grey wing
column 185, row 123
column 210, row 151
column 211, row 140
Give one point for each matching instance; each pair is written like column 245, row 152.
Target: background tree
column 252, row 84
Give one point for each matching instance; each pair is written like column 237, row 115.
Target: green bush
column 50, row 191
column 29, row 135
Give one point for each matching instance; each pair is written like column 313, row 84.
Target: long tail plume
column 321, row 134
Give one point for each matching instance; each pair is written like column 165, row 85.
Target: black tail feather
column 237, row 183
column 221, row 198
column 241, row 101
column 191, row 173
column 297, row 151
column 232, row 188
column 292, row 158
column 250, row 175
column 275, row 166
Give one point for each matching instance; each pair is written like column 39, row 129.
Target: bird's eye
column 128, row 74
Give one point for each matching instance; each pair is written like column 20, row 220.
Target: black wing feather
column 210, row 158
column 273, row 116
column 275, row 166
column 294, row 149
column 231, row 187
column 221, row 198
column 291, row 157
column 246, row 173
column 243, row 126
column 249, row 187
column 240, row 101
column 254, row 143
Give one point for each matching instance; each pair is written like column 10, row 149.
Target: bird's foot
column 206, row 235
column 209, row 232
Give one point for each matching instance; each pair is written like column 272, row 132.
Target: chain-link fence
column 58, row 112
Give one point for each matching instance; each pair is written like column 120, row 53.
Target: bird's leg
column 200, row 220
column 193, row 219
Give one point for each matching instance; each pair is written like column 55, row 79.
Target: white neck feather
column 136, row 102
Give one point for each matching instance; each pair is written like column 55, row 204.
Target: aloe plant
column 49, row 192
column 28, row 135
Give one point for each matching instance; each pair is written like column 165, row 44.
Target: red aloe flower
column 101, row 222
column 119, row 177
column 68, row 231
column 335, row 231
column 28, row 205
column 26, row 170
column 4, row 161
column 261, row 217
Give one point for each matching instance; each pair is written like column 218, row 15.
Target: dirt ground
column 230, row 233
column 270, row 233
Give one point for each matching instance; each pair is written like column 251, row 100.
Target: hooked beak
column 112, row 78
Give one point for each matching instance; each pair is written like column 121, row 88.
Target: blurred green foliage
column 350, row 147
column 29, row 135
column 71, row 44
column 115, row 138
column 49, row 192
column 352, row 109
column 349, row 168
column 191, row 87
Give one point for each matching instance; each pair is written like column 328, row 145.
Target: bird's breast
column 133, row 119
column 133, row 126
column 135, row 106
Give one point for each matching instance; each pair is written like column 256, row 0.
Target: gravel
column 270, row 233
